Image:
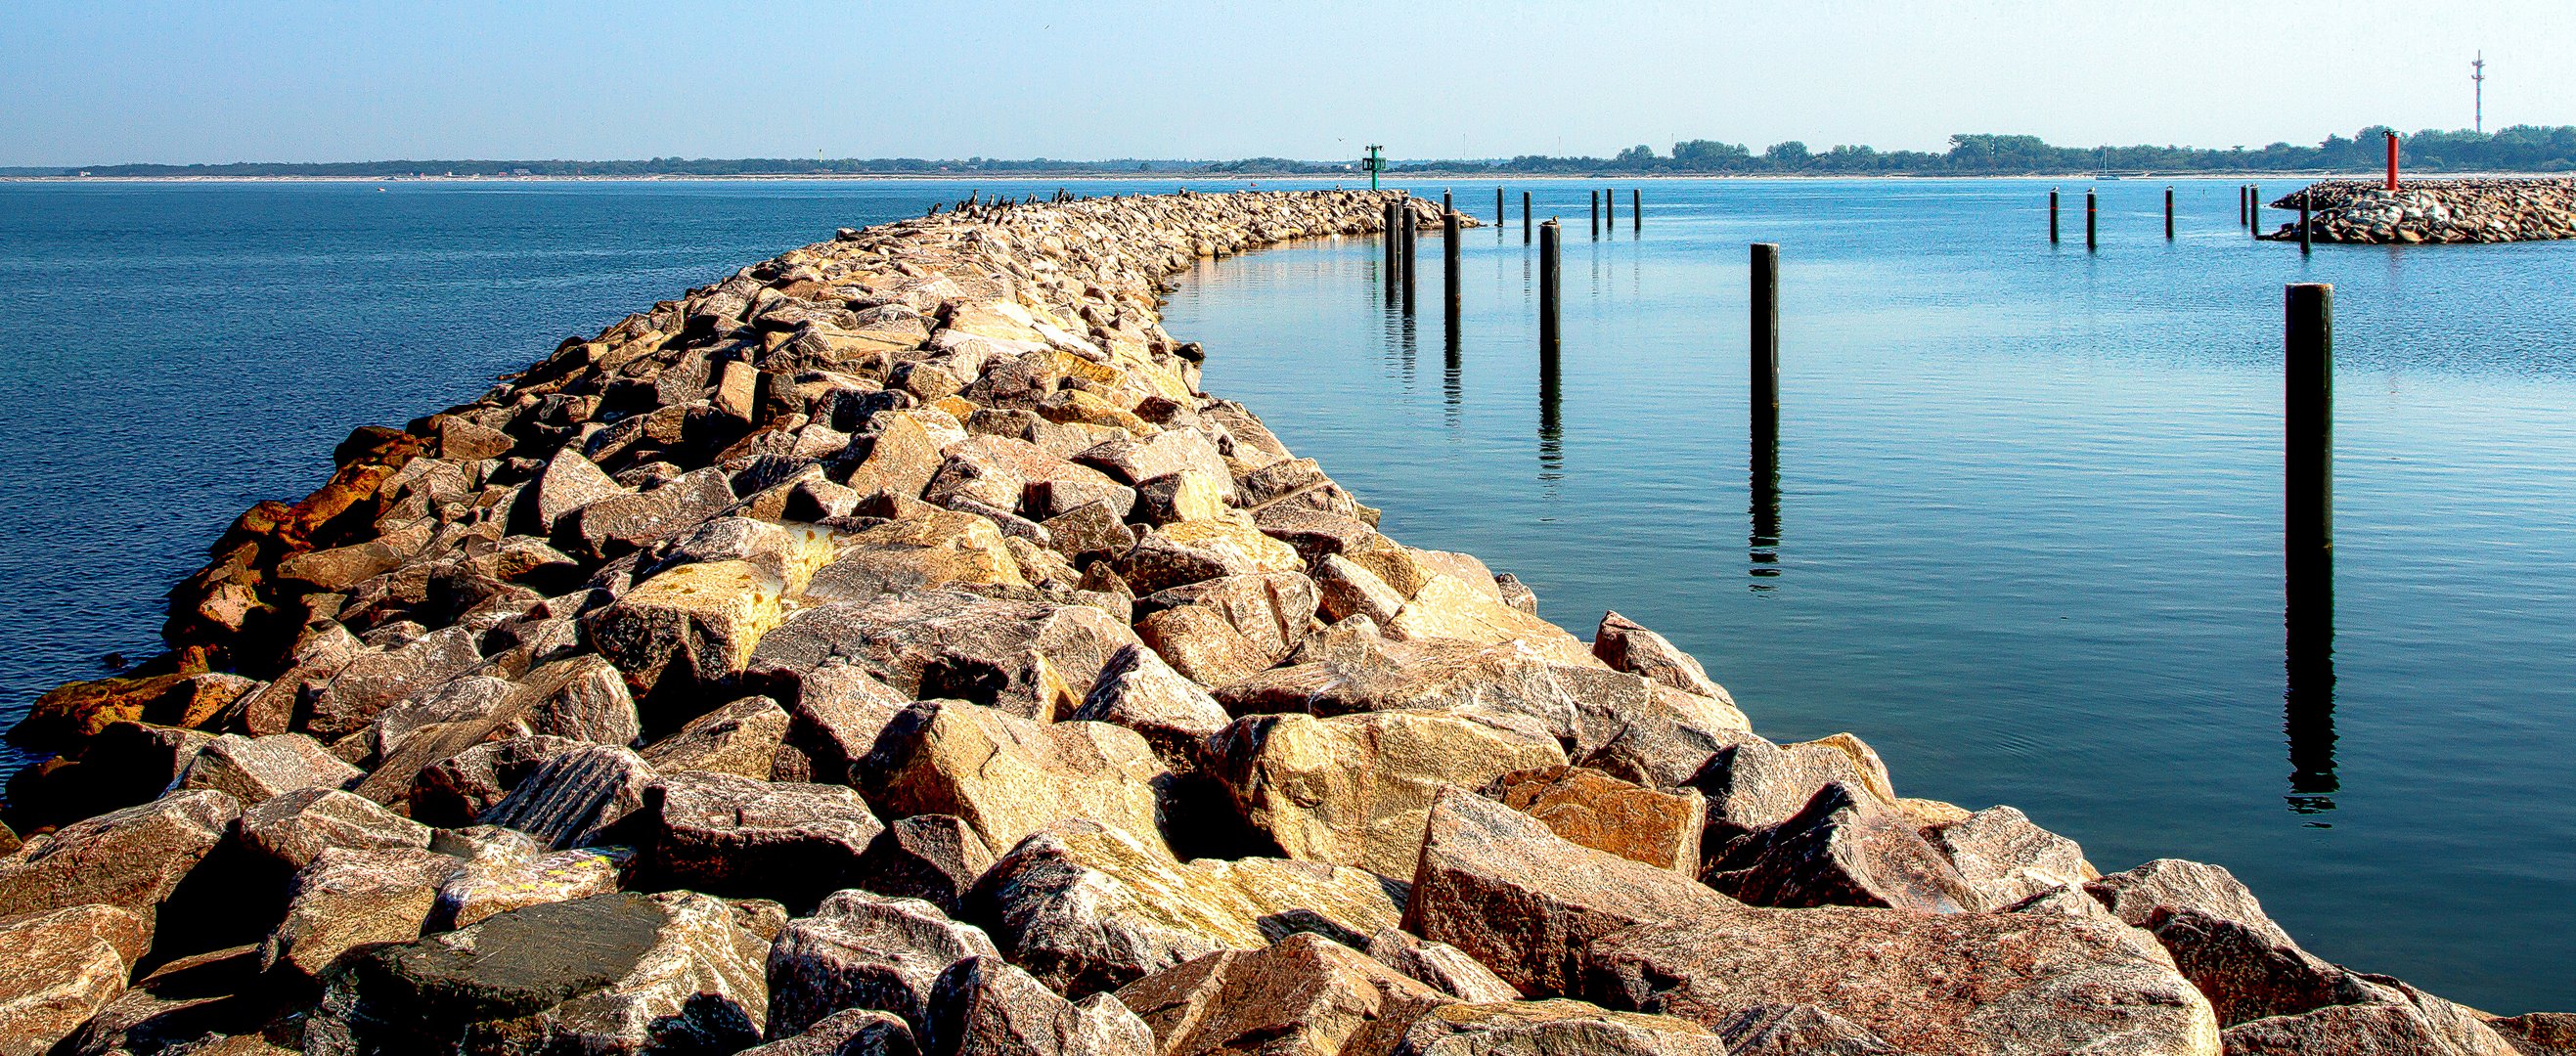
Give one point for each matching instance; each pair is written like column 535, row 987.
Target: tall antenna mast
column 2478, row 75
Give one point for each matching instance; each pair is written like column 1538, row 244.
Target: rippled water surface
column 2025, row 538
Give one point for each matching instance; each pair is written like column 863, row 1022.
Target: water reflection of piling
column 1763, row 545
column 2308, row 542
column 2254, row 208
column 1451, row 368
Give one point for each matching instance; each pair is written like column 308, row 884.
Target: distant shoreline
column 1281, row 178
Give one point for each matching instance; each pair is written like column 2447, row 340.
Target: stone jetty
column 2433, row 211
column 890, row 649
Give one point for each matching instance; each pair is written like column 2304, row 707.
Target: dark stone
column 133, row 859
column 732, row 835
column 865, row 951
column 933, row 857
column 566, row 801
column 1842, row 849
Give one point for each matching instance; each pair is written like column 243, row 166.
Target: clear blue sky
column 104, row 81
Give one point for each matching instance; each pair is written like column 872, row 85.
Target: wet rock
column 503, row 875
column 1030, row 658
column 700, row 620
column 849, row 1032
column 1526, row 903
column 739, row 738
column 295, row 828
column 131, row 859
column 1306, row 994
column 2006, row 858
column 982, row 1006
column 732, row 835
column 621, row 973
column 566, row 801
column 1595, row 810
column 932, row 857
column 1844, row 848
column 2006, row 983
column 1007, row 776
column 63, row 966
column 350, row 898
column 1354, row 789
column 1553, row 1026
column 1626, row 646
column 1137, row 690
column 937, row 549
column 374, row 681
column 1086, row 908
column 865, row 951
column 254, row 770
column 459, row 788
column 1439, row 966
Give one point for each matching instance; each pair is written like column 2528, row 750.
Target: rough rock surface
column 1599, row 811
column 731, row 835
column 1008, row 776
column 131, row 859
column 1354, row 789
column 62, row 967
column 622, row 973
column 982, row 1006
column 865, row 951
column 1307, row 994
column 1553, row 1026
column 933, row 857
column 1087, row 908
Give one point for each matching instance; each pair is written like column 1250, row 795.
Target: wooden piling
column 2303, row 222
column 1765, row 355
column 1610, row 209
column 1636, row 210
column 1596, row 216
column 2092, row 208
column 1449, row 269
column 1394, row 242
column 2052, row 216
column 1409, row 254
column 2169, row 218
column 1499, row 217
column 1525, row 218
column 2254, row 208
column 2307, row 470
column 1547, row 274
column 1445, row 206
column 2241, row 219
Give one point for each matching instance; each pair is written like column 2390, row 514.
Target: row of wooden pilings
column 2249, row 214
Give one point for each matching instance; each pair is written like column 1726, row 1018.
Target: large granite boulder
column 740, row 738
column 373, row 681
column 294, row 829
column 937, row 549
column 502, row 869
column 572, row 797
column 2008, row 983
column 1628, row 646
column 982, row 1006
column 1556, row 1025
column 1139, row 691
column 700, row 620
column 1525, row 902
column 622, row 973
column 1845, row 848
column 1031, row 658
column 865, row 951
column 1596, row 810
column 933, row 857
column 254, row 770
column 1087, row 908
column 1439, row 966
column 726, row 834
column 132, row 859
column 2006, row 858
column 1219, row 630
column 351, row 898
column 1008, row 776
column 1354, row 789
column 62, row 967
column 1307, row 994
column 849, row 1032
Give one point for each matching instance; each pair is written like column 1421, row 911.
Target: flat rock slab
column 132, row 858
column 621, row 973
column 1032, row 659
column 1553, row 1026
column 731, row 835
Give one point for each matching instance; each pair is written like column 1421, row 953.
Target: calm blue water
column 2028, row 515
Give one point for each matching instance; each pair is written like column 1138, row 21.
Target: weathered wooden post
column 1547, row 272
column 1499, row 216
column 2169, row 219
column 1610, row 209
column 1636, row 210
column 2307, row 470
column 2241, row 219
column 1394, row 244
column 1445, row 207
column 1449, row 269
column 1765, row 361
column 1410, row 253
column 1525, row 218
column 2254, row 208
column 1596, row 216
column 2052, row 216
column 2091, row 208
column 2303, row 222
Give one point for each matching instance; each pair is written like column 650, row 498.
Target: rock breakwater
column 2434, row 211
column 890, row 649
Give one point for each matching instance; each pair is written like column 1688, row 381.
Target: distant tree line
column 2522, row 148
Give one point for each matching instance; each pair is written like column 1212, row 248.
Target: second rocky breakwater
column 889, row 647
column 2434, row 211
